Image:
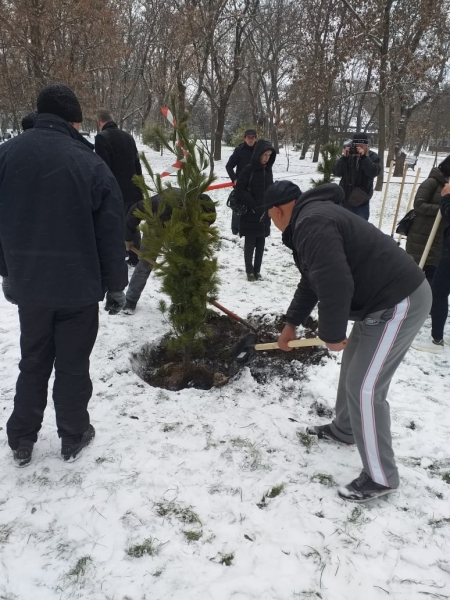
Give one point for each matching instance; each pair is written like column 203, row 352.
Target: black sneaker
column 324, row 432
column 251, row 277
column 70, row 449
column 129, row 308
column 258, row 276
column 363, row 489
column 23, row 453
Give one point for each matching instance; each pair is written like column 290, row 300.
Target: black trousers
column 62, row 338
column 441, row 291
column 253, row 245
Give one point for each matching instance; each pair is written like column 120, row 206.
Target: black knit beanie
column 281, row 192
column 58, row 99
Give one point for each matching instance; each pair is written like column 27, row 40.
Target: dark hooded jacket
column 357, row 171
column 347, row 265
column 241, row 156
column 61, row 218
column 132, row 221
column 251, row 185
column 426, row 207
column 118, row 150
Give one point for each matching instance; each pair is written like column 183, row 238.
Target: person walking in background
column 61, row 249
column 357, row 168
column 352, row 271
column 241, row 156
column 254, row 225
column 426, row 207
column 441, row 283
column 118, row 150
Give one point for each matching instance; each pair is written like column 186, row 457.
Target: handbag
column 357, row 197
column 405, row 223
column 236, row 205
column 233, row 202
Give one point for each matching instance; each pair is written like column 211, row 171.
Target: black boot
column 71, row 448
column 23, row 453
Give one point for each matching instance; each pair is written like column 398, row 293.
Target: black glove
column 7, row 290
column 115, row 301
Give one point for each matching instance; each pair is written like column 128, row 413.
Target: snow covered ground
column 164, row 504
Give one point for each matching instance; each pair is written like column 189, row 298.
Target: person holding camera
column 357, row 168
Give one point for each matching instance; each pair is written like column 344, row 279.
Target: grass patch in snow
column 79, row 569
column 193, row 536
column 324, row 479
column 273, row 493
column 356, row 515
column 252, row 456
column 167, row 427
column 446, row 477
column 5, row 532
column 185, row 515
column 149, row 547
column 306, row 440
column 437, row 523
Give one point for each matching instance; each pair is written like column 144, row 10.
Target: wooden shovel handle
column 293, row 344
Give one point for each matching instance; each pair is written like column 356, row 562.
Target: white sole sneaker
column 428, row 347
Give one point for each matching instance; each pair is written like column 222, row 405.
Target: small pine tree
column 330, row 154
column 149, row 137
column 185, row 245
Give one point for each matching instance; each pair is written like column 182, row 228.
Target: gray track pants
column 138, row 280
column 375, row 349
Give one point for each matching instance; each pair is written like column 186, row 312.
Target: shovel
column 245, row 350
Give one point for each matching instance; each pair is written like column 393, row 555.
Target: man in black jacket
column 118, row 150
column 61, row 249
column 357, row 168
column 241, row 157
column 353, row 271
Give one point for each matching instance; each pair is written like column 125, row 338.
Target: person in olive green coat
column 426, row 207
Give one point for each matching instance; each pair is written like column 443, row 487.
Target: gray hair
column 104, row 115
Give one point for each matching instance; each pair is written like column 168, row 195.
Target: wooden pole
column 430, row 240
column 411, row 198
column 391, row 167
column 399, row 200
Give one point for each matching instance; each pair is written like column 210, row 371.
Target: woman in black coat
column 253, row 181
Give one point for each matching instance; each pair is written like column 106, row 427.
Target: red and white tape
column 177, row 166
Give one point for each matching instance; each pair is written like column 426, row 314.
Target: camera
column 353, row 149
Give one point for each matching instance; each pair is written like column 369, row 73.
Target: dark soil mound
column 217, row 363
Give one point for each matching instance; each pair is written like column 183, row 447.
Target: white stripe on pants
column 368, row 389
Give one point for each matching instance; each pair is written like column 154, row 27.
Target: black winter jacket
column 118, row 150
column 357, row 171
column 347, row 265
column 61, row 219
column 426, row 207
column 250, row 188
column 242, row 155
column 132, row 221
